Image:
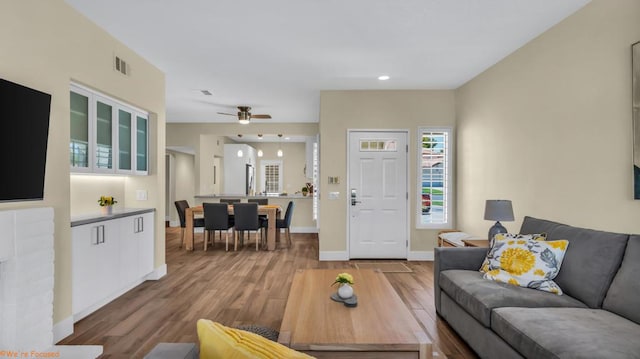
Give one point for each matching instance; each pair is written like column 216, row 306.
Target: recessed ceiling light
column 287, row 138
column 383, row 77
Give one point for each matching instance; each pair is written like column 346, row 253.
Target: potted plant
column 106, row 204
column 305, row 191
column 345, row 291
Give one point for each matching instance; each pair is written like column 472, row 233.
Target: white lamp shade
column 280, row 154
column 498, row 210
column 240, row 154
column 260, row 153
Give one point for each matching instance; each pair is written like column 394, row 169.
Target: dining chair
column 230, row 201
column 260, row 202
column 216, row 218
column 246, row 219
column 286, row 221
column 182, row 206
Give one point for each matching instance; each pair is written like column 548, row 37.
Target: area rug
column 386, row 267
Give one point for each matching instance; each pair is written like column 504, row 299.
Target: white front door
column 378, row 221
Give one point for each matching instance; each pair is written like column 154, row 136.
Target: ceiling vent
column 121, row 66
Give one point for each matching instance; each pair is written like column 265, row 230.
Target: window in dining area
column 271, row 179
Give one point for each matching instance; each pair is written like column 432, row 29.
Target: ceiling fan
column 244, row 116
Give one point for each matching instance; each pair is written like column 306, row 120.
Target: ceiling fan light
column 244, row 117
column 260, row 153
column 280, row 154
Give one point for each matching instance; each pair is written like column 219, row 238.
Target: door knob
column 354, row 196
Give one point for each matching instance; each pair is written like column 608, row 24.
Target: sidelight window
column 434, row 178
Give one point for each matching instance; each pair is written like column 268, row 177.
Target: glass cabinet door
column 104, row 136
column 124, row 140
column 79, row 144
column 141, row 143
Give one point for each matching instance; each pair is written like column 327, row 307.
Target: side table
column 476, row 242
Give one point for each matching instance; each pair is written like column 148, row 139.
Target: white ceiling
column 277, row 55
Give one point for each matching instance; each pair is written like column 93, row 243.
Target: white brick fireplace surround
column 26, row 284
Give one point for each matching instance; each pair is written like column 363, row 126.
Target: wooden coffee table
column 380, row 326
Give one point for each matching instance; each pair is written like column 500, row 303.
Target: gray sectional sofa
column 598, row 316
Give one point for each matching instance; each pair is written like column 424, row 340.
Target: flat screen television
column 24, row 132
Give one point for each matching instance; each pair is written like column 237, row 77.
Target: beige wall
column 549, row 127
column 46, row 45
column 343, row 110
column 85, row 191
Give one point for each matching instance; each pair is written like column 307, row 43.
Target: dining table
column 272, row 212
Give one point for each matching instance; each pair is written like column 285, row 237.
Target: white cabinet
column 136, row 247
column 146, row 249
column 95, row 262
column 109, row 258
column 107, row 135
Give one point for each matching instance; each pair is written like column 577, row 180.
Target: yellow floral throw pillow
column 484, row 268
column 527, row 263
column 220, row 342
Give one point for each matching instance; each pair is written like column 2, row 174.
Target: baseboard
column 157, row 273
column 62, row 329
column 334, row 256
column 304, row 230
column 420, row 256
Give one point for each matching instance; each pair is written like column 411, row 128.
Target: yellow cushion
column 484, row 268
column 527, row 263
column 218, row 341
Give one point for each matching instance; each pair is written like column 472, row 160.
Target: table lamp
column 498, row 210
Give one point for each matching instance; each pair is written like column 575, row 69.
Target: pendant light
column 260, row 153
column 280, row 153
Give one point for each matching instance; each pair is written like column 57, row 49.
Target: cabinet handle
column 97, row 236
column 138, row 225
column 102, row 228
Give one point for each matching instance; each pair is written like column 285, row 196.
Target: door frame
column 347, row 202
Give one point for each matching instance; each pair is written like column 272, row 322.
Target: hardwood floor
column 234, row 288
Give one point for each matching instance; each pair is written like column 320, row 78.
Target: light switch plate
column 141, row 194
column 334, row 195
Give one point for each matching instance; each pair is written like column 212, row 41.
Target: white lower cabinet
column 136, row 247
column 108, row 258
column 145, row 238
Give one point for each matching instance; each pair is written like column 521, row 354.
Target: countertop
column 117, row 213
column 289, row 196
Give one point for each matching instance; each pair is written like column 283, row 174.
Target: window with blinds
column 272, row 176
column 434, row 178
